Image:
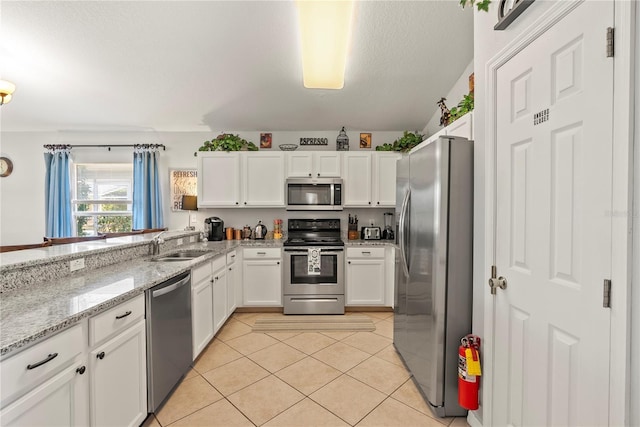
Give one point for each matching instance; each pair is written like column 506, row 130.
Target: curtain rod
column 107, row 146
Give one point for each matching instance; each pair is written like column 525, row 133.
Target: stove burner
column 314, row 232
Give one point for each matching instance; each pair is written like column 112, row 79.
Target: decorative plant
column 228, row 142
column 405, row 143
column 463, row 108
column 481, row 4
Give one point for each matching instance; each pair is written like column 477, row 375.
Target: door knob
column 496, row 282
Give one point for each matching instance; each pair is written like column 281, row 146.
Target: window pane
column 114, row 224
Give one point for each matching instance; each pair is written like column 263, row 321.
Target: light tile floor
column 298, row 379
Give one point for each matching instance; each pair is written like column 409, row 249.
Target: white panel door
column 299, row 165
column 357, row 179
column 553, row 232
column 365, row 282
column 218, row 179
column 202, row 315
column 219, row 299
column 263, row 179
column 327, row 164
column 384, row 178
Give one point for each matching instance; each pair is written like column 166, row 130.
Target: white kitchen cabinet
column 219, row 179
column 365, row 283
column 313, row 164
column 233, row 281
column 118, row 379
column 462, row 127
column 60, row 401
column 219, row 297
column 263, row 179
column 262, row 277
column 201, row 307
column 357, row 179
column 384, row 178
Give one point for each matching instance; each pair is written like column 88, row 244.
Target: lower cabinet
column 219, row 298
column 61, row 401
column 118, row 379
column 262, row 277
column 201, row 308
column 233, row 281
column 365, row 278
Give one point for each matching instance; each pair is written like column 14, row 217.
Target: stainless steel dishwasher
column 168, row 337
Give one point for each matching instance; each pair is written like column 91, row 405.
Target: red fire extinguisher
column 469, row 372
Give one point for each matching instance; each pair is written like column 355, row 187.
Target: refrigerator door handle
column 402, row 235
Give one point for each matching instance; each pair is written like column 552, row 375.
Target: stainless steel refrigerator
column 434, row 215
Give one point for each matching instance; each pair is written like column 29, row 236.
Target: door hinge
column 610, row 44
column 606, row 294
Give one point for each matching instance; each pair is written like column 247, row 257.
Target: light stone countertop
column 360, row 242
column 31, row 313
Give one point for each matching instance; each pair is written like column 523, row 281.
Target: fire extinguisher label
column 462, row 370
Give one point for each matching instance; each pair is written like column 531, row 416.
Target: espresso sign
column 314, row 141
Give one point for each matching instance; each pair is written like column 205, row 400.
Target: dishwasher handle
column 171, row 287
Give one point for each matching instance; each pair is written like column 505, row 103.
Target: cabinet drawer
column 219, row 263
column 33, row 366
column 365, row 252
column 115, row 319
column 261, row 253
column 231, row 257
column 201, row 273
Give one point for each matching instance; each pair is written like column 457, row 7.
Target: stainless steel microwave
column 314, row 194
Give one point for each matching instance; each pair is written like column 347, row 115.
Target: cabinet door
column 232, row 283
column 327, row 164
column 118, row 378
column 218, row 179
column 219, row 299
column 263, row 179
column 384, row 173
column 357, row 179
column 462, row 127
column 262, row 282
column 299, row 165
column 365, row 282
column 61, row 401
column 202, row 315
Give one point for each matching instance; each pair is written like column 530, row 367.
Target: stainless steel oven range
column 313, row 267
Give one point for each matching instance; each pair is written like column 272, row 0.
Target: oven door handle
column 322, row 252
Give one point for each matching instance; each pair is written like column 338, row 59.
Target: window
column 103, row 198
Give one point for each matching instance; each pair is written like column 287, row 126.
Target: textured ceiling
column 222, row 65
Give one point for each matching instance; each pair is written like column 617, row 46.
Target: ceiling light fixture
column 325, row 28
column 6, row 91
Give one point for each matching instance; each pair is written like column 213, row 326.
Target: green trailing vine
column 480, row 4
column 228, row 142
column 405, row 143
column 463, row 108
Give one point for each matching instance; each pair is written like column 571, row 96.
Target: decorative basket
column 288, row 147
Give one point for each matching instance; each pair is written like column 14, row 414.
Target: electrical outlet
column 193, row 217
column 192, row 239
column 180, row 241
column 77, row 264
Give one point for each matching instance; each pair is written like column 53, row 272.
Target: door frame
column 622, row 200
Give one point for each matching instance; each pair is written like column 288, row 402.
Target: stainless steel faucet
column 156, row 242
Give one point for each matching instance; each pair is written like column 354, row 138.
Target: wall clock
column 6, row 166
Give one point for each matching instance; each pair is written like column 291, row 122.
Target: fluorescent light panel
column 325, row 27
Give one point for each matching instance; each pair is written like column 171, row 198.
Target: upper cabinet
column 370, row 179
column 246, row 179
column 462, row 127
column 313, row 164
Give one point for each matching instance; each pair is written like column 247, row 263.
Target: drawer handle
column 122, row 316
column 100, row 355
column 261, row 253
column 42, row 362
column 233, row 256
column 366, row 253
column 81, row 370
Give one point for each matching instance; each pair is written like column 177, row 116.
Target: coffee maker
column 214, row 229
column 387, row 233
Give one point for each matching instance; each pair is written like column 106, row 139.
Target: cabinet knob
column 378, row 202
column 348, row 262
column 278, row 262
column 318, row 175
column 369, row 202
column 230, row 269
column 100, row 355
column 237, row 203
column 245, row 203
column 309, row 174
column 81, row 370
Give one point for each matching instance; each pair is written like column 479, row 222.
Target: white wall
column 635, row 289
column 22, row 193
column 454, row 96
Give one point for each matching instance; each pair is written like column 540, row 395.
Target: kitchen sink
column 179, row 256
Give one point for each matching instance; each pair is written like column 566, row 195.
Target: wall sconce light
column 325, row 28
column 6, row 91
column 189, row 203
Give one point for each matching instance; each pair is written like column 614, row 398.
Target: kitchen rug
column 352, row 323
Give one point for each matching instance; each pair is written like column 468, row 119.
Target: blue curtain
column 147, row 199
column 59, row 220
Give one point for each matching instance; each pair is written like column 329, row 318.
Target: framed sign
column 182, row 182
column 365, row 140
